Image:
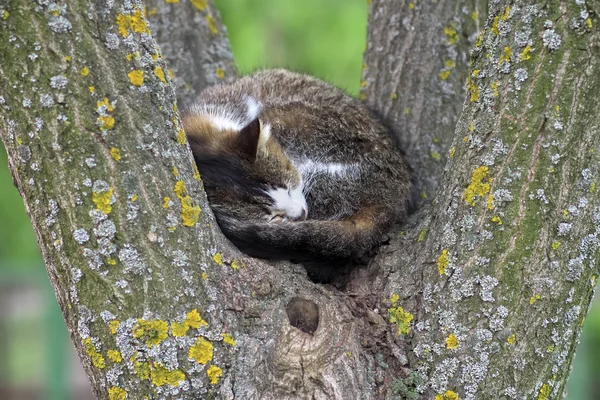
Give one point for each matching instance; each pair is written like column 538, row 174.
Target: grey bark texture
column 480, row 295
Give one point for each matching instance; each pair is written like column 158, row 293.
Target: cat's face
column 246, row 173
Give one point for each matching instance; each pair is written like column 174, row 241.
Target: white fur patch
column 292, row 203
column 226, row 117
column 308, row 168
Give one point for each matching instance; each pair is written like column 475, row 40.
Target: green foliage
column 323, row 38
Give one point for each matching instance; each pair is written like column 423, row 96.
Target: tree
column 481, row 294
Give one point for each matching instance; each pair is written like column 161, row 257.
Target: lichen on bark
column 495, row 275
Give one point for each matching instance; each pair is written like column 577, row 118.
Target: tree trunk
column 482, row 295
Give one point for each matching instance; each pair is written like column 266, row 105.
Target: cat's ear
column 249, row 140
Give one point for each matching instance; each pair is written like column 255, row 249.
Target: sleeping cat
column 296, row 169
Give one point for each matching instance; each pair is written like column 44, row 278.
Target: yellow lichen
column 179, row 329
column 85, row 71
column 444, row 74
column 497, row 219
column 451, row 34
column 494, row 87
column 505, row 14
column 162, row 376
column 204, row 276
column 452, row 342
column 474, row 15
column 5, row 15
column 194, row 320
column 136, row 77
column 450, row 395
column 422, row 235
column 401, row 318
column 235, row 265
column 511, row 339
column 105, row 122
column 490, row 202
column 588, row 22
column 134, row 197
column 189, row 213
column 394, row 96
column 170, row 73
column 452, row 151
column 115, row 153
column 141, row 369
column 115, row 356
column 220, row 73
column 95, row 356
column 132, row 22
column 175, row 172
column 480, row 37
column 477, row 187
column 506, row 55
column 102, row 200
column 199, row 4
column 151, row 332
column 555, row 245
column 214, row 373
column 113, row 325
column 218, row 258
column 116, row 393
column 212, row 26
column 105, row 103
column 473, row 90
column 227, row 338
column 534, row 298
column 160, row 74
column 435, row 155
column 544, row 392
column 442, row 262
column 166, row 202
column 201, row 351
column 394, row 299
column 494, row 28
column 171, row 1
column 92, row 89
column 411, row 6
column 181, row 137
column 525, row 53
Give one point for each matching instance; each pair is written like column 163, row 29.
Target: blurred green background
column 325, row 38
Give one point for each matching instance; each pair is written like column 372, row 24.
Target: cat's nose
column 303, row 215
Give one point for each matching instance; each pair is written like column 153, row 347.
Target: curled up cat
column 296, row 169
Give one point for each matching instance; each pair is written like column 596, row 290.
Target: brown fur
column 316, row 131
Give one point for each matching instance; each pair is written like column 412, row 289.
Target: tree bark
column 482, row 295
